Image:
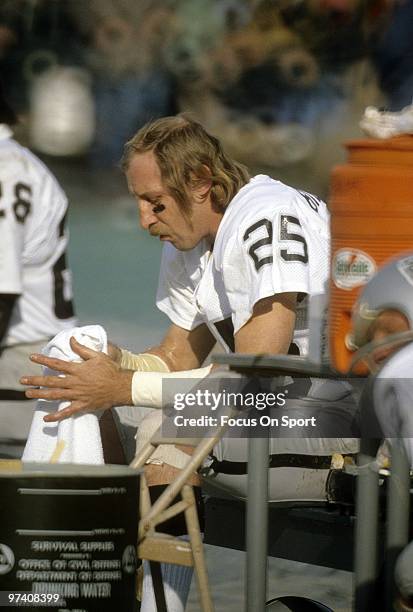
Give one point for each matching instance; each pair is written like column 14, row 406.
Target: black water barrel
column 69, row 530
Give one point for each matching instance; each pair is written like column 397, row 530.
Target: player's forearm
column 150, row 374
column 183, row 349
column 142, row 362
column 157, row 359
column 146, row 362
column 151, row 389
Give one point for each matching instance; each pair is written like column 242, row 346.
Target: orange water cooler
column 371, row 204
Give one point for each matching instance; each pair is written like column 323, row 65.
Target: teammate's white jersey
column 393, row 397
column 272, row 239
column 32, row 245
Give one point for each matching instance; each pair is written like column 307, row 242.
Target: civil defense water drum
column 69, row 530
column 371, row 204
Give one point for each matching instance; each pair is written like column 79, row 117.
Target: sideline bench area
column 319, row 535
column 362, row 540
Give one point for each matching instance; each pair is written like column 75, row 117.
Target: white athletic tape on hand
column 143, row 362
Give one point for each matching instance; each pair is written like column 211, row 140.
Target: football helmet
column 391, row 288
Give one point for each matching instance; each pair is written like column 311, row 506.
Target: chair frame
column 157, row 547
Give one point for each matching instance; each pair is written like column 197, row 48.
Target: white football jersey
column 32, row 245
column 272, row 239
column 393, row 397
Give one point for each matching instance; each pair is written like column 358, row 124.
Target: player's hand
column 114, row 352
column 96, row 383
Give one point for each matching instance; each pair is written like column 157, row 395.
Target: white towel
column 76, row 439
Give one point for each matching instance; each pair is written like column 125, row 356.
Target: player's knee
column 147, row 428
column 170, row 454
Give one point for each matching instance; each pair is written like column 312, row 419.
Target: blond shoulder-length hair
column 188, row 156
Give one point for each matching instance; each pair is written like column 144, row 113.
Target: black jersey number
column 258, row 260
column 285, row 234
column 21, row 204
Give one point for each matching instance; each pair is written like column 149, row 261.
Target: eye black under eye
column 158, row 208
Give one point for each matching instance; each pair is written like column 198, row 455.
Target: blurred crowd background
column 282, row 82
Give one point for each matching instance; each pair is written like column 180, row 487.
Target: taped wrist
column 147, row 386
column 176, row 525
column 143, row 362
